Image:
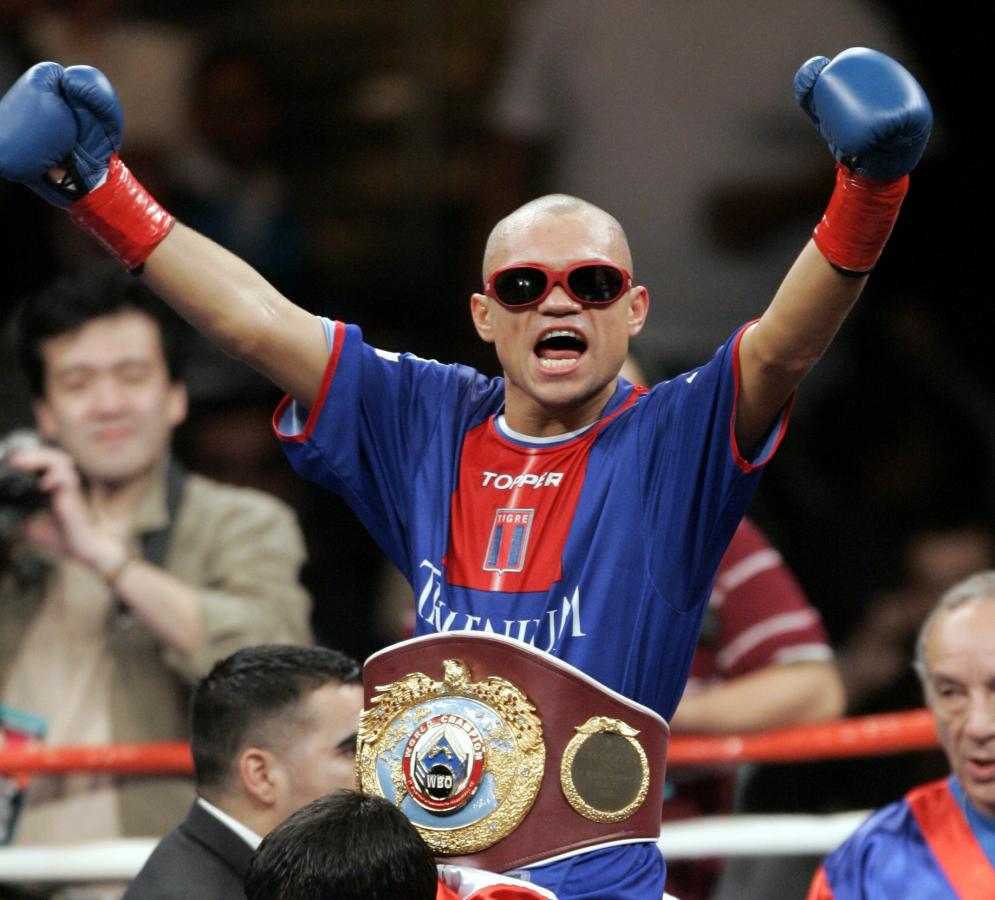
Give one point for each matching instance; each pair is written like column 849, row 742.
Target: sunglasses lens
column 516, row 287
column 597, row 284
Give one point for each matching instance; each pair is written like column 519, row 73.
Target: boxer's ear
column 639, row 307
column 483, row 316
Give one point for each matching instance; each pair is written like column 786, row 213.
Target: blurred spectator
column 678, row 121
column 877, row 657
column 905, row 443
column 876, row 665
column 939, row 840
column 273, row 728
column 138, row 575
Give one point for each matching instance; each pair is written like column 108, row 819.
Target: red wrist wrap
column 123, row 216
column 858, row 220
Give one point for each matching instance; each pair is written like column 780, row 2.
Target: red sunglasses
column 591, row 283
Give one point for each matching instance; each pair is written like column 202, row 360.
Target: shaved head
column 543, row 213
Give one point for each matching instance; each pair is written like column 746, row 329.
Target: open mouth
column 560, row 348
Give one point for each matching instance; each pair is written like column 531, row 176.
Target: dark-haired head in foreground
column 347, row 845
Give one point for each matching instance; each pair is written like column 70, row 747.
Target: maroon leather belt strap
column 502, row 755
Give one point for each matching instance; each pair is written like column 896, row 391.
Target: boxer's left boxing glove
column 876, row 120
column 37, row 131
column 100, row 193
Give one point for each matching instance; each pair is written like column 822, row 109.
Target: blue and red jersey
column 599, row 547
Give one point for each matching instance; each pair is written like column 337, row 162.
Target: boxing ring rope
column 728, row 836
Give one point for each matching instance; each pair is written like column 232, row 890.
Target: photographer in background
column 137, row 576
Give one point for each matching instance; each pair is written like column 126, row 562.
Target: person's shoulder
column 212, row 511
column 882, row 829
column 220, row 494
column 181, row 867
column 166, row 873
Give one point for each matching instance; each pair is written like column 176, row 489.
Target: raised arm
column 60, row 130
column 235, row 307
column 876, row 120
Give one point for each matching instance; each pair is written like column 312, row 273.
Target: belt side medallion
column 463, row 760
column 604, row 772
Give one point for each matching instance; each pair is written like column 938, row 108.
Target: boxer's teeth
column 556, row 363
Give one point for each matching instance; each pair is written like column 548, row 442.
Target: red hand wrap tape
column 859, row 219
column 123, row 216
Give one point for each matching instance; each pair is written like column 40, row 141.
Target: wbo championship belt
column 502, row 755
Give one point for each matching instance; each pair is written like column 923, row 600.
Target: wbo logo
column 509, row 540
column 443, row 762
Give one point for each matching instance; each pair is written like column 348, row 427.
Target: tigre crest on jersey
column 509, row 540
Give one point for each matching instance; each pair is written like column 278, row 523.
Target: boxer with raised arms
column 558, row 505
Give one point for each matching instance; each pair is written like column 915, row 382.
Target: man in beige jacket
column 138, row 575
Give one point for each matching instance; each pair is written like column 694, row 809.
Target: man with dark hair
column 354, row 846
column 344, row 845
column 69, row 303
column 274, row 727
column 138, row 575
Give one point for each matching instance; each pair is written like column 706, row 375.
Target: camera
column 20, row 495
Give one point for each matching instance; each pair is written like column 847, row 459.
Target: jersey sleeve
column 764, row 617
column 698, row 482
column 376, row 414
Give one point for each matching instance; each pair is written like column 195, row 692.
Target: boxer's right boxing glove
column 71, row 119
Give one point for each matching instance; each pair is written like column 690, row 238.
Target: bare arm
column 779, row 350
column 236, row 308
column 876, row 120
column 772, row 697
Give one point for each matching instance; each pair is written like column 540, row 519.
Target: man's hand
column 169, row 607
column 69, row 527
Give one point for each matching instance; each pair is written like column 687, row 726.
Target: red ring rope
column 868, row 736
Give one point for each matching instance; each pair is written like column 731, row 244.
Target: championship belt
column 502, row 755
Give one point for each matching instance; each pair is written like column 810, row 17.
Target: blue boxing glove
column 37, row 130
column 71, row 119
column 871, row 112
column 876, row 119
column 99, row 124
column 54, row 117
